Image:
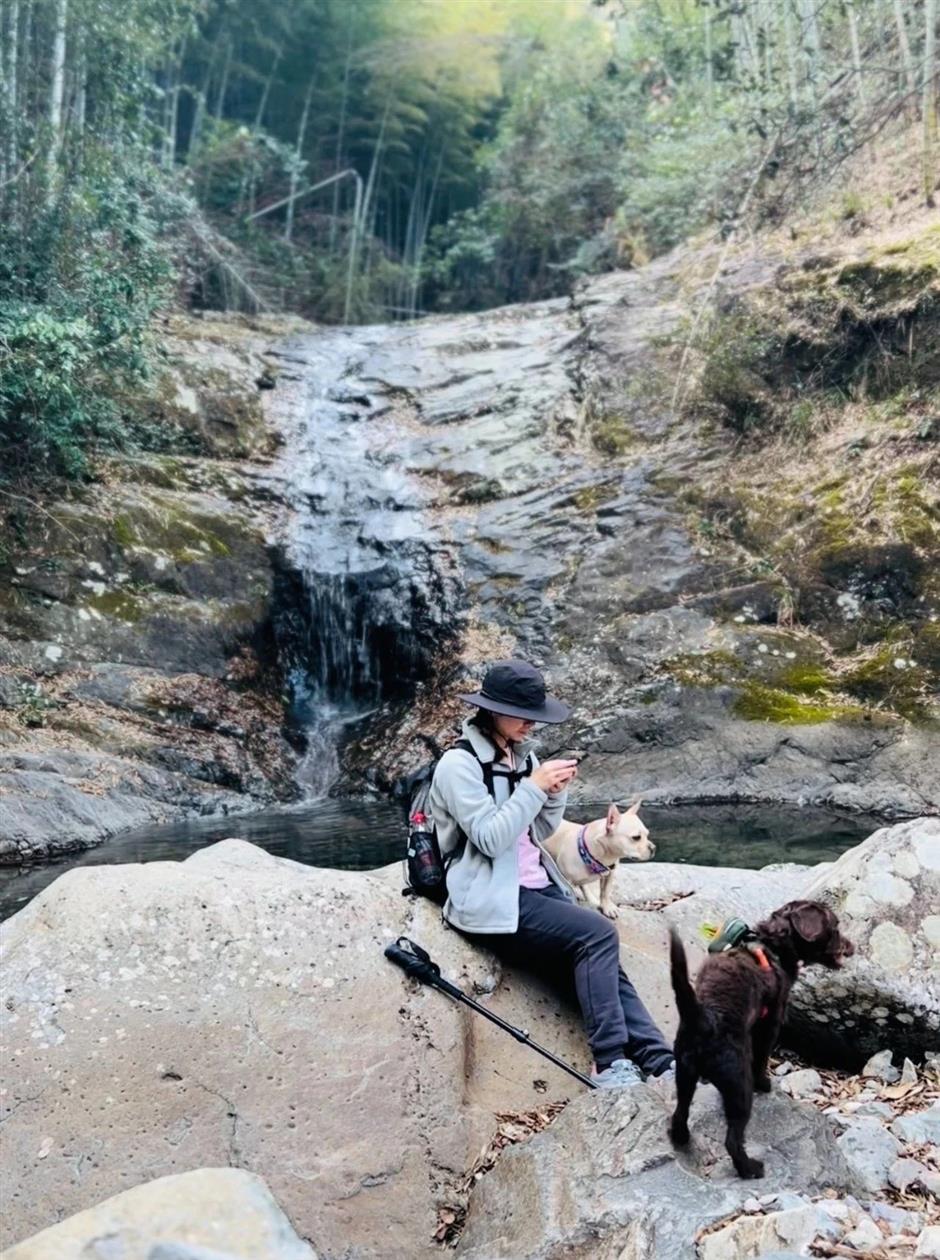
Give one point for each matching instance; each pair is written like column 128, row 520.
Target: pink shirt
column 532, row 874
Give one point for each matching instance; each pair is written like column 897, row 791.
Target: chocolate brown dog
column 730, row 1021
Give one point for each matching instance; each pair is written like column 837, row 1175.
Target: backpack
column 426, row 868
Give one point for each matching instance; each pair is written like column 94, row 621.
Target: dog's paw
column 679, row 1133
column 610, row 912
column 750, row 1169
column 763, row 1084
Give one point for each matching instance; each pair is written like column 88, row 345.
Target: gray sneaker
column 665, row 1081
column 620, row 1075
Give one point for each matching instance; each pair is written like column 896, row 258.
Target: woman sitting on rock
column 504, row 889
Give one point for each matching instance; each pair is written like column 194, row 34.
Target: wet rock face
column 571, row 506
column 139, row 680
column 886, row 892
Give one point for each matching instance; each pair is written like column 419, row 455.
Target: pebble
column 931, row 1183
column 752, row 1205
column 897, row 1219
column 783, row 1068
column 803, row 1084
column 904, row 1173
column 928, row 1243
column 880, row 1110
column 908, row 1073
column 864, row 1236
column 881, row 1067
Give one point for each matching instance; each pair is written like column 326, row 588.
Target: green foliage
column 79, row 290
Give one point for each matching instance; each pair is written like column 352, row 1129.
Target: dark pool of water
column 359, row 835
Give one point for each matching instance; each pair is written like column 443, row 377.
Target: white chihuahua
column 588, row 853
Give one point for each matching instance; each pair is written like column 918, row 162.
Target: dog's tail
column 681, row 985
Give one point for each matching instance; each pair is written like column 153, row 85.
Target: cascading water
column 359, row 620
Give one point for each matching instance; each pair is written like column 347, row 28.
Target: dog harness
column 587, row 857
column 735, row 934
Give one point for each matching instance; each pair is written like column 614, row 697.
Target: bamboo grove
column 375, row 159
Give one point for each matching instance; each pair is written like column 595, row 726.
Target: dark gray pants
column 574, row 946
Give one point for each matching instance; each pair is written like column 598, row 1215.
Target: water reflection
column 361, row 834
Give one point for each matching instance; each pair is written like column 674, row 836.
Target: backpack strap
column 490, row 771
column 486, row 766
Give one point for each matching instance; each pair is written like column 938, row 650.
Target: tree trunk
column 56, row 95
column 249, row 181
column 340, row 130
column 856, row 51
column 298, row 159
column 709, row 63
column 930, row 101
column 904, row 44
column 792, row 75
column 223, row 84
column 10, row 72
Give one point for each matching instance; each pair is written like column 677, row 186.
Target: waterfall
column 362, row 610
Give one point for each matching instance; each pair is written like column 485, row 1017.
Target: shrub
column 79, row 289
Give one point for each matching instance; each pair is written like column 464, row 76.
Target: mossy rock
column 926, row 647
column 613, row 434
column 889, row 573
column 758, row 703
column 893, row 677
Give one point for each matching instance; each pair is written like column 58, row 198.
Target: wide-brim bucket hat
column 517, row 689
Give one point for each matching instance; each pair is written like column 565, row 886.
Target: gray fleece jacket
column 483, row 879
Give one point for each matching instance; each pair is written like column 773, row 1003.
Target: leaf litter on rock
column 513, row 1127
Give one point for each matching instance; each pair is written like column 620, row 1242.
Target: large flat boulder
column 886, row 892
column 209, row 1214
column 604, row 1182
column 236, row 1009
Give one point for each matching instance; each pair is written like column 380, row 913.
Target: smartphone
column 567, row 754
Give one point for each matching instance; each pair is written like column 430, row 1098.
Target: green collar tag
column 731, row 933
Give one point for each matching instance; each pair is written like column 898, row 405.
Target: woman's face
column 513, row 729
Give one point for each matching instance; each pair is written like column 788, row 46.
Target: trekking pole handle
column 411, row 958
column 417, row 963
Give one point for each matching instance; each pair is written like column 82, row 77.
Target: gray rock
column 898, row 1220
column 919, row 1126
column 869, row 1150
column 908, row 1073
column 11, row 692
column 749, row 1236
column 880, row 1066
column 873, row 1110
column 886, row 892
column 185, row 1251
column 928, row 1243
column 931, row 1183
column 211, row 1011
column 864, row 1235
column 206, row 1214
column 905, row 1172
column 606, row 1171
column 805, row 1083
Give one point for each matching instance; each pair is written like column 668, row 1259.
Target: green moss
column 590, row 498
column 891, row 676
column 613, row 434
column 123, row 534
column 703, row 669
column 758, row 703
column 120, row 605
column 927, row 647
column 803, row 679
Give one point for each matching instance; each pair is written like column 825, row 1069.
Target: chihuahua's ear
column 634, row 808
column 613, row 817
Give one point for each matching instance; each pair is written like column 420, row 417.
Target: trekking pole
column 416, row 962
